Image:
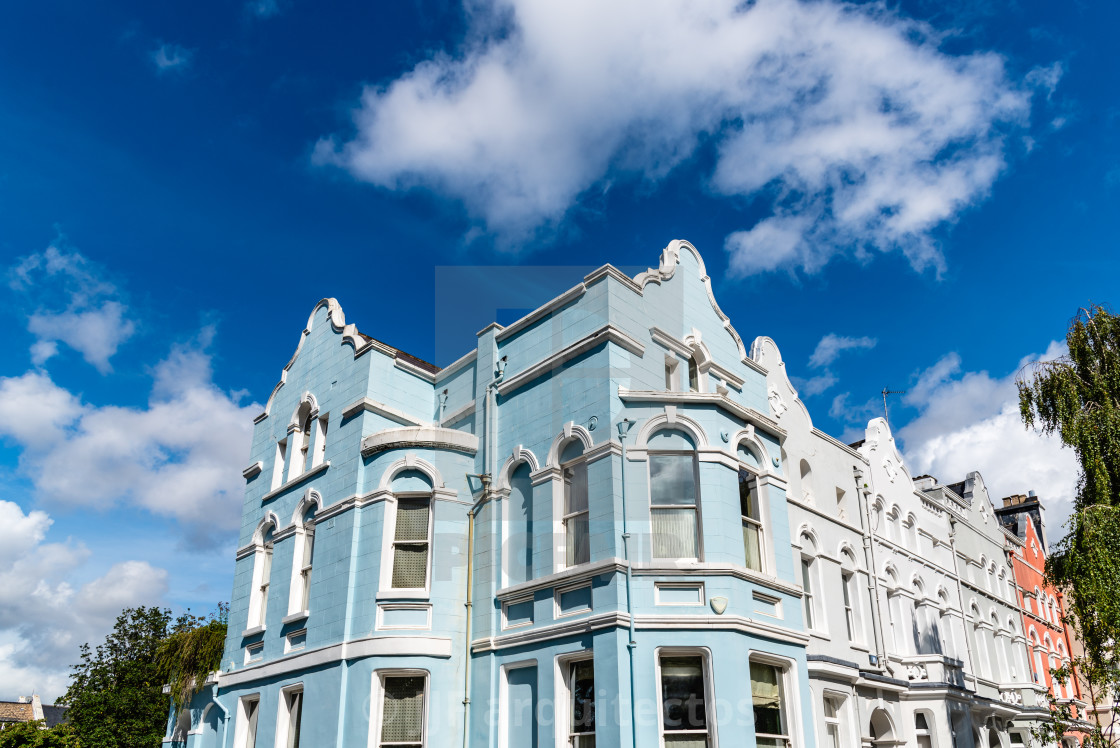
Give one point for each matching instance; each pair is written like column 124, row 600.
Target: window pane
column 766, row 692
column 575, row 488
column 830, row 708
column 833, row 736
column 403, row 716
column 748, row 500
column 752, row 541
column 682, row 694
column 583, row 697
column 410, row 566
column 295, row 716
column 579, row 542
column 674, row 533
column 672, row 479
column 251, row 711
column 688, row 741
column 412, row 519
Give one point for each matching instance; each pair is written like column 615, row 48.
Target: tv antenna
column 886, row 415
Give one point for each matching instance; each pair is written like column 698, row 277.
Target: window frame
column 567, row 515
column 705, row 655
column 840, row 704
column 847, row 583
column 284, row 714
column 377, row 704
column 751, row 478
column 564, row 693
column 389, row 544
column 787, row 670
column 650, row 454
column 241, row 730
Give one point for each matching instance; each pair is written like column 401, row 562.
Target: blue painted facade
column 486, row 436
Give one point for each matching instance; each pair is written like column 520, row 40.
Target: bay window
column 402, row 710
column 684, row 698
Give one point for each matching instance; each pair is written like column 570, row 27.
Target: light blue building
column 575, row 535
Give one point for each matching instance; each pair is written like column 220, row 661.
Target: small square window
column 296, row 641
column 254, row 652
column 518, row 613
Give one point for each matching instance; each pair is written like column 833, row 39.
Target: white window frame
column 518, row 601
column 320, row 442
column 288, row 647
column 377, row 702
column 388, row 556
column 697, row 508
column 760, row 523
column 709, row 690
column 566, row 515
column 840, row 700
column 241, row 730
column 790, row 690
column 563, row 719
column 558, row 591
column 284, row 715
column 698, row 586
column 261, row 584
column 850, row 598
column 251, row 650
column 280, row 463
column 303, row 550
column 503, row 697
column 813, row 597
column 382, row 607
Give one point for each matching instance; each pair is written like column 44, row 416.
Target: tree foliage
column 116, row 696
column 34, row 735
column 187, row 656
column 1078, row 397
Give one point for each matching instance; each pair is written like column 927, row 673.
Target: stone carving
column 917, row 672
column 777, row 405
column 891, row 468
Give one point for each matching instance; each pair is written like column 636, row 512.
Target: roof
column 14, row 711
column 54, row 715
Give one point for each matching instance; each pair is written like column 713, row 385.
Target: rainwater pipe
column 972, row 664
column 873, row 573
column 623, row 427
column 486, row 480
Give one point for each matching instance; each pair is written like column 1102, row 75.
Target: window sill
column 252, row 631
column 404, row 594
column 819, row 635
column 294, row 481
column 299, row 615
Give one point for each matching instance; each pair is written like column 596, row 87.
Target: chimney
column 36, row 707
column 1032, row 494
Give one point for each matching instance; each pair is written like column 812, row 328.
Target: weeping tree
column 1077, row 397
column 188, row 655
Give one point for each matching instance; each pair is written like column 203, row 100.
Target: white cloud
column 180, row 456
column 831, row 346
column 43, row 617
column 970, row 421
column 171, row 57
column 814, row 385
column 75, row 306
column 862, row 132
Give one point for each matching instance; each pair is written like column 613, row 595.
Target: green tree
column 116, row 694
column 1077, row 397
column 35, row 735
column 188, row 655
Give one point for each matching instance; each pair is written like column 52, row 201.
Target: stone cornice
column 606, row 334
column 424, row 437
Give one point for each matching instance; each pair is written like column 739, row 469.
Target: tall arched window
column 693, row 375
column 577, row 512
column 1036, row 659
column 751, row 515
column 262, row 575
column 674, row 493
column 519, row 526
column 948, row 646
column 303, row 554
column 806, row 481
column 983, row 655
column 813, row 603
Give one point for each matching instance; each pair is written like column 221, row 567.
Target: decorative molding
column 679, row 347
column 606, row 334
column 410, row 462
column 253, row 470
column 721, row 623
column 383, row 410
column 422, row 437
column 522, row 637
column 710, row 569
column 750, row 415
column 519, row 455
column 355, row 649
column 570, row 431
column 567, row 577
column 321, row 467
column 542, row 311
column 455, row 366
column 459, row 414
column 417, row 371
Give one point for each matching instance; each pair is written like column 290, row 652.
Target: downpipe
column 624, row 427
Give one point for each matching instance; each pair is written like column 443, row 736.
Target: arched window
column 182, row 727
column 922, row 731
column 945, row 628
column 983, row 654
column 304, row 446
column 806, row 482
column 850, row 588
column 1036, row 651
column 674, row 488
column 577, row 513
column 303, row 554
column 812, row 603
column 262, row 574
column 894, row 531
column 409, row 516
column 693, row 375
column 750, row 512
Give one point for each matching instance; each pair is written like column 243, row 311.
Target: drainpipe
column 486, row 478
column 960, row 596
column 225, row 717
column 872, row 568
column 470, row 605
column 623, row 427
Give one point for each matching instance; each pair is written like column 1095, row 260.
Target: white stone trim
column 750, row 415
column 321, row 467
column 542, row 311
column 606, row 334
column 383, row 410
column 410, row 462
column 422, row 437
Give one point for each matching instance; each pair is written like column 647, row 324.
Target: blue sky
column 915, row 195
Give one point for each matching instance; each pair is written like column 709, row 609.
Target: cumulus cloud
column 860, row 131
column 180, row 456
column 171, row 57
column 824, row 355
column 44, row 618
column 831, row 346
column 970, row 421
column 75, row 305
